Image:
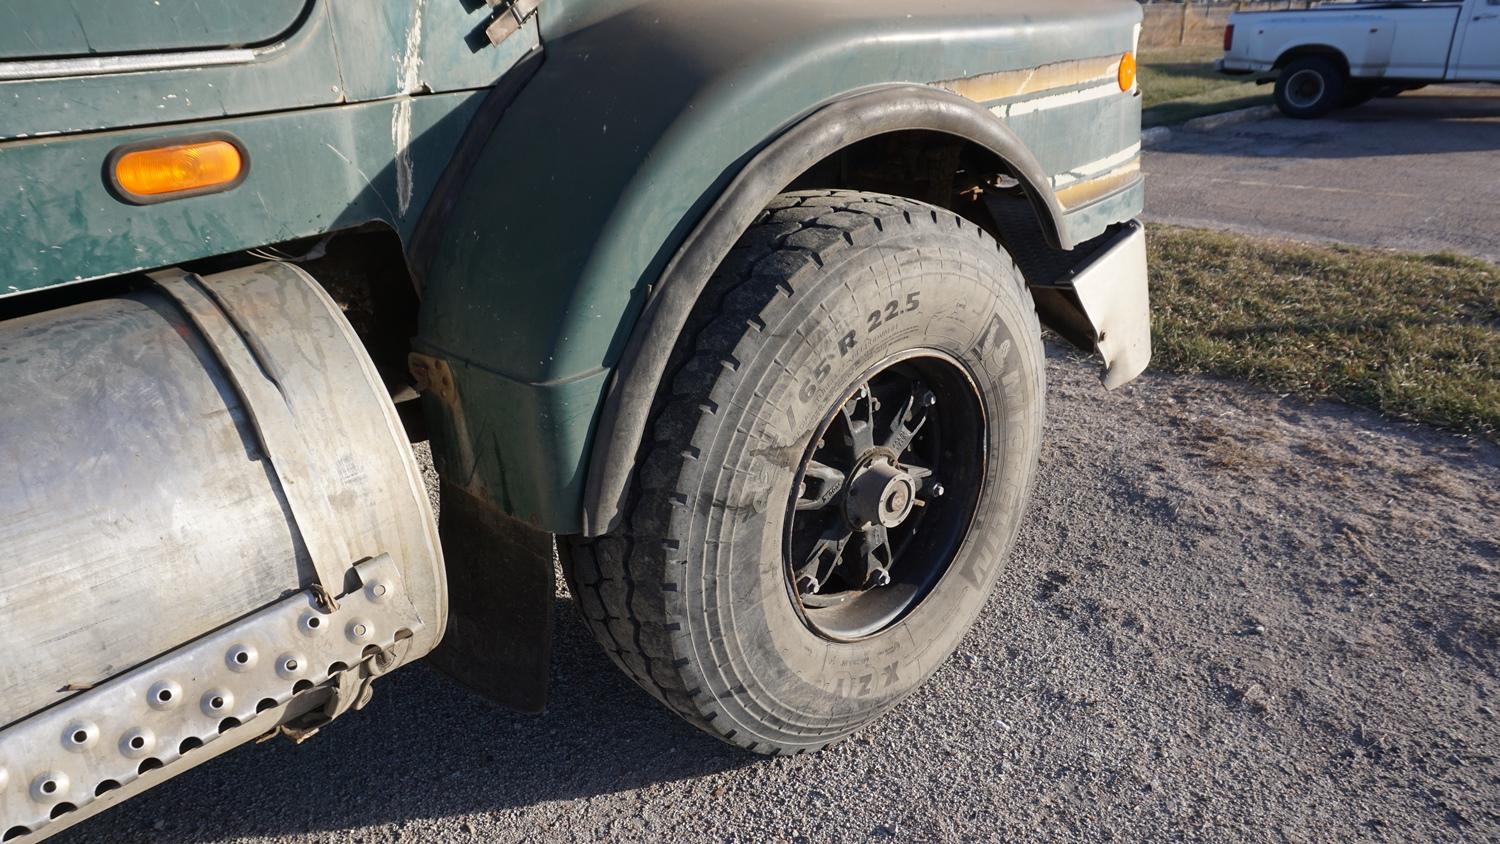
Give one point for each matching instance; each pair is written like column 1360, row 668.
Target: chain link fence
column 1200, row 24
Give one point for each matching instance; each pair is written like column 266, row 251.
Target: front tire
column 1310, row 87
column 857, row 360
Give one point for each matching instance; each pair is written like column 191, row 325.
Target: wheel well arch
column 902, row 124
column 941, row 169
column 1289, row 55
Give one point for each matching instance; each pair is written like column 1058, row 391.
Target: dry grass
column 1414, row 336
column 1180, row 84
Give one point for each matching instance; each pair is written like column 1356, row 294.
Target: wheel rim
column 1305, row 88
column 885, row 495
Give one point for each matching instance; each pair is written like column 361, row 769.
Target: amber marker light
column 1127, row 71
column 157, row 171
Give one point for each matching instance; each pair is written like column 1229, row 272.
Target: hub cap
column 882, row 492
column 885, row 495
column 1305, row 88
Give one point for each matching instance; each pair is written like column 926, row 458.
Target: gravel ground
column 1231, row 616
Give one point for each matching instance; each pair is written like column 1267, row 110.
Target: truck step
column 166, row 715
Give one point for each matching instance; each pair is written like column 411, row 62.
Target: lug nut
column 937, row 490
column 881, row 577
column 929, row 399
column 807, row 585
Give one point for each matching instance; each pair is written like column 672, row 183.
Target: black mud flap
column 501, row 590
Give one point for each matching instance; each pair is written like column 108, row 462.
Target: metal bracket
column 512, row 16
column 160, row 714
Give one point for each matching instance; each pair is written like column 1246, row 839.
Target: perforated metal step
column 168, row 711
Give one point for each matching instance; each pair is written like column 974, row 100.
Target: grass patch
column 1178, row 73
column 1414, row 336
column 1180, row 84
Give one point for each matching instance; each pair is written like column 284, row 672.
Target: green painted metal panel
column 1092, row 219
column 300, row 72
column 663, row 100
column 55, row 28
column 641, row 113
column 1054, row 135
column 405, row 46
column 522, row 446
column 345, row 51
column 312, row 171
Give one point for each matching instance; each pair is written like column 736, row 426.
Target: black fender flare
column 826, row 130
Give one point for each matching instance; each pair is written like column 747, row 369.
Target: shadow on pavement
column 1415, row 123
column 426, row 748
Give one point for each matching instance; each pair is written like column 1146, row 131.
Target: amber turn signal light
column 1127, row 71
column 177, row 168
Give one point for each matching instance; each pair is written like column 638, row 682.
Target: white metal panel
column 1422, row 40
column 1476, row 57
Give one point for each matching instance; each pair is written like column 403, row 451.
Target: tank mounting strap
column 254, row 374
column 164, row 713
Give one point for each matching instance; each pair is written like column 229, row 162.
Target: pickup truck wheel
column 835, row 471
column 1309, row 87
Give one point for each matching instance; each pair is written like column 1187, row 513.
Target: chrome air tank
column 179, row 457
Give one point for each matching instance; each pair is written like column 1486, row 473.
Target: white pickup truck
column 1342, row 54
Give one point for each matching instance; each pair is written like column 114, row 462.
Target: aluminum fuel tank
column 178, row 457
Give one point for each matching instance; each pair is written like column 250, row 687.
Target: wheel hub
column 869, row 529
column 882, row 493
column 1305, row 88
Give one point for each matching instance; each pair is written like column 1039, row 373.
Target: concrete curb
column 1229, row 118
column 1155, row 135
column 1159, row 134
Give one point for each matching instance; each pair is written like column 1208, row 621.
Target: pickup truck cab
column 1343, row 54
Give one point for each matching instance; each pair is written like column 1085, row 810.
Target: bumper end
column 1100, row 302
column 1112, row 290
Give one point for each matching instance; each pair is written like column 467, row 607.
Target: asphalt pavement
column 1418, row 172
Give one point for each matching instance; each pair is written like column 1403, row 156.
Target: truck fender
column 1287, row 54
column 829, row 129
column 549, row 246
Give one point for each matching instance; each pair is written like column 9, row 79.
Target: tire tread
column 797, row 232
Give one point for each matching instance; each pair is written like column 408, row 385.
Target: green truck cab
column 731, row 309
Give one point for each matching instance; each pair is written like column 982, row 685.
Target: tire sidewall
column 938, row 284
